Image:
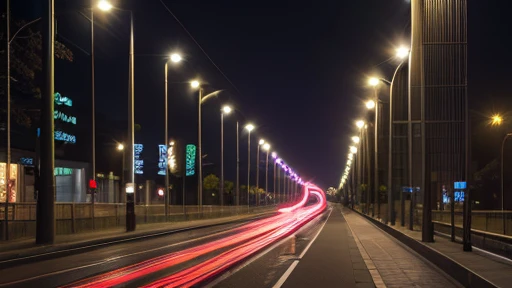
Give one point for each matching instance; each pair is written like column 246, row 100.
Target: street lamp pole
column 221, row 159
column 200, row 162
column 93, row 122
column 261, row 142
column 237, row 164
column 266, row 173
column 166, row 137
column 248, row 167
column 502, row 181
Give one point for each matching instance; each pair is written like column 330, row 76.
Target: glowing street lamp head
column 496, row 120
column 353, row 149
column 360, row 124
column 356, row 139
column 266, row 146
column 261, row 142
column 104, row 5
column 176, row 58
column 370, row 104
column 350, row 156
column 249, row 127
column 226, row 109
column 402, row 52
column 274, row 155
column 120, row 147
column 373, row 81
column 194, row 84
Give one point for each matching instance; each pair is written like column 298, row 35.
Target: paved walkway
column 26, row 247
column 494, row 269
column 392, row 264
column 352, row 252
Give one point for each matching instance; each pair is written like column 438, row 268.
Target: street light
column 496, row 120
column 120, row 147
column 402, row 52
column 260, row 143
column 249, row 128
column 370, row 104
column 266, row 147
column 175, row 58
column 353, row 149
column 225, row 110
column 274, row 156
column 373, row 81
column 194, row 84
column 104, row 5
column 360, row 124
column 356, row 139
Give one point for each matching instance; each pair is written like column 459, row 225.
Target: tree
column 25, row 66
column 228, row 186
column 211, row 182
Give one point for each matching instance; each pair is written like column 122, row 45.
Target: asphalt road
column 63, row 270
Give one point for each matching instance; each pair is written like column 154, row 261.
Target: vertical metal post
column 502, row 180
column 369, row 168
column 8, row 128
column 200, row 162
column 166, row 136
column 376, row 204
column 257, row 175
column 237, row 164
column 45, row 221
column 248, row 168
column 93, row 113
column 274, row 178
column 130, row 201
column 279, row 186
column 266, row 175
column 452, row 216
column 221, row 159
column 411, row 210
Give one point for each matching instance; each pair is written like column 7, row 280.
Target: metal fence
column 487, row 221
column 85, row 217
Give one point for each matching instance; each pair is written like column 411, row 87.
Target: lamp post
column 225, row 110
column 196, row 84
column 237, row 165
column 175, row 58
column 274, row 156
column 260, row 143
column 249, row 128
column 373, row 104
column 130, row 208
column 502, row 180
column 120, row 147
column 266, row 147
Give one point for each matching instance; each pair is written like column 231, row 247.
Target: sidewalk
column 28, row 248
column 472, row 269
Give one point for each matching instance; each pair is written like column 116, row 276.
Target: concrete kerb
column 65, row 249
column 459, row 272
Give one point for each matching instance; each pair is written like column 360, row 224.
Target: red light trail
column 247, row 240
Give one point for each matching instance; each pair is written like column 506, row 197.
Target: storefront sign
column 63, row 136
column 138, row 162
column 62, row 171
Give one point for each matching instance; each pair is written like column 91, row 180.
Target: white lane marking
column 290, row 269
column 113, row 259
column 374, row 272
column 286, row 274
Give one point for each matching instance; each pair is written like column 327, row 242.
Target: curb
column 457, row 271
column 54, row 251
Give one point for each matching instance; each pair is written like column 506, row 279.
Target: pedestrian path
column 392, row 263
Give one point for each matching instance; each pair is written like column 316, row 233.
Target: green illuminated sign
column 62, row 100
column 61, row 171
column 190, row 160
column 57, row 115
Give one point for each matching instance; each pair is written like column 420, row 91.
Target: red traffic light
column 92, row 184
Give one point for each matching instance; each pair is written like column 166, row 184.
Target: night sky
column 297, row 70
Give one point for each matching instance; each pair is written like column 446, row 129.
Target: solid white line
column 290, row 269
column 314, row 238
column 286, row 274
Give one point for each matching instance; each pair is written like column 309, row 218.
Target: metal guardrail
column 483, row 220
column 79, row 217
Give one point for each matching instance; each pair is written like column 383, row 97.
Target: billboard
column 190, row 160
column 138, row 162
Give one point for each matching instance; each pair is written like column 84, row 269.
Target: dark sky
column 299, row 69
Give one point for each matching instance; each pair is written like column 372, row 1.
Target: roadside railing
column 84, row 217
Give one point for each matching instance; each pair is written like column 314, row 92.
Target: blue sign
column 162, row 159
column 63, row 136
column 459, row 185
column 25, row 161
column 407, row 189
column 138, row 162
column 57, row 115
column 446, row 199
column 458, row 196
